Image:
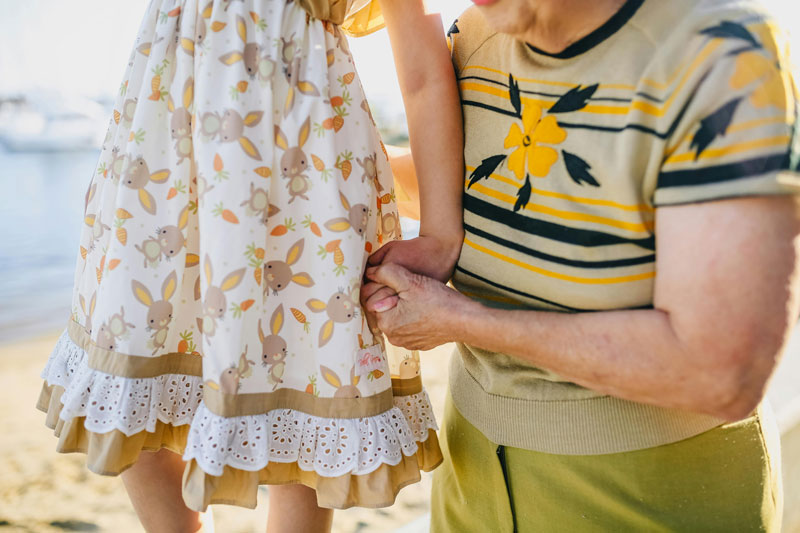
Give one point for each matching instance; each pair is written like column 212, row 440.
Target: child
column 241, row 187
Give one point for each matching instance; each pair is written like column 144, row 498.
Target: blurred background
column 61, row 63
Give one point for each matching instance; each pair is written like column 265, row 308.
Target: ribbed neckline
column 609, row 28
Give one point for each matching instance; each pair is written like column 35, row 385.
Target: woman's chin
column 513, row 17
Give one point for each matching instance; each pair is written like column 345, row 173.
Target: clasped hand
column 404, row 295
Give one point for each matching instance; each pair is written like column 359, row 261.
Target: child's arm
column 430, row 94
column 405, row 181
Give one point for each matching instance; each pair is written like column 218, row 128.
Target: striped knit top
column 568, row 158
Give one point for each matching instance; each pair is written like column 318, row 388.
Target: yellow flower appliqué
column 764, row 66
column 535, row 130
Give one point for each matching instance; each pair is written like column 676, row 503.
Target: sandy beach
column 43, row 491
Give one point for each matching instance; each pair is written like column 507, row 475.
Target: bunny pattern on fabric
column 224, row 220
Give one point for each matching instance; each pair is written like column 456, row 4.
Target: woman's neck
column 556, row 24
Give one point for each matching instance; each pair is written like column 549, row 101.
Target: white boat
column 49, row 121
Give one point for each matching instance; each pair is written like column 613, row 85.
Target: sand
column 43, row 491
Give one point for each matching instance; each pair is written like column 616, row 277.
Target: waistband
column 594, row 425
column 333, row 11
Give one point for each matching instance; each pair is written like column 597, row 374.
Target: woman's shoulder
column 467, row 34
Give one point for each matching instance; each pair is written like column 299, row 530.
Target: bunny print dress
column 240, row 189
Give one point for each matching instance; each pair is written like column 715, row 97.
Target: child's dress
column 240, row 189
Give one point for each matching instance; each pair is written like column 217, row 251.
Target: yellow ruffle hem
column 111, row 453
column 107, row 454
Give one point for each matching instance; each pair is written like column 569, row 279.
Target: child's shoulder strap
column 363, row 17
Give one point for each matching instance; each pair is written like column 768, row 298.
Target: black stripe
column 609, row 28
column 543, row 300
column 571, row 125
column 645, row 259
column 645, row 129
column 608, row 129
column 517, row 292
column 549, row 95
column 721, row 173
column 549, row 230
column 650, row 97
column 489, row 107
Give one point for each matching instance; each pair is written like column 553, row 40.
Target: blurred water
column 41, row 214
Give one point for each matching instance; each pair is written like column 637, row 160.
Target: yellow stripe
column 674, row 76
column 701, row 57
column 752, row 124
column 543, row 82
column 769, row 142
column 661, row 86
column 644, row 107
column 544, row 104
column 671, row 79
column 557, row 275
column 502, row 93
column 566, row 215
column 493, row 298
column 735, row 128
column 575, row 199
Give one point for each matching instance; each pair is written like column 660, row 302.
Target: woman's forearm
column 635, row 355
column 725, row 301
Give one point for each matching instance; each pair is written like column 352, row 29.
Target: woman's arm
column 726, row 298
column 430, row 94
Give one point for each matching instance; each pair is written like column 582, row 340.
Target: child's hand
column 426, row 255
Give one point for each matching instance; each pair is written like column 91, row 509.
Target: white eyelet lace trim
column 330, row 446
column 417, row 411
column 109, row 402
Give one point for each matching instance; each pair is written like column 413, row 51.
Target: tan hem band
column 133, row 366
column 230, row 405
column 407, row 387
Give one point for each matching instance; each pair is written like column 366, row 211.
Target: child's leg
column 154, row 487
column 293, row 508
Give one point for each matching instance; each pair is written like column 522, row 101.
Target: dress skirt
column 241, row 187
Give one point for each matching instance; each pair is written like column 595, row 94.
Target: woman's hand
column 413, row 311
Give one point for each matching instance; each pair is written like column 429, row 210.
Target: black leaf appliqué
column 453, row 29
column 713, row 126
column 578, row 169
column 574, row 100
column 513, row 93
column 523, row 195
column 731, row 30
column 485, row 169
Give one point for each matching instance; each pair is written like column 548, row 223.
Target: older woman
column 627, row 279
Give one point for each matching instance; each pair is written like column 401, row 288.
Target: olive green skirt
column 727, row 479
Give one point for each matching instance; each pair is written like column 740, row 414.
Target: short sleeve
column 362, row 18
column 736, row 131
column 467, row 33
